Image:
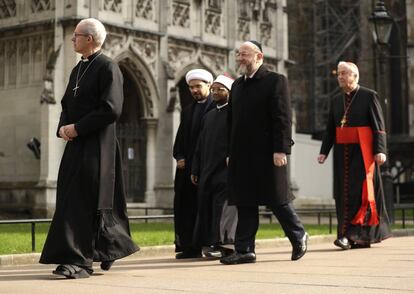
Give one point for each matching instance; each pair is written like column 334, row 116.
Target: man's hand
column 194, row 179
column 181, row 163
column 321, row 158
column 279, row 159
column 70, row 131
column 63, row 135
column 380, row 158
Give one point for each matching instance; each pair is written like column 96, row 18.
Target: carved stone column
column 165, row 79
column 51, row 146
column 151, row 131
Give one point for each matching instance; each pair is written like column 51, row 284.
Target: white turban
column 199, row 74
column 225, row 81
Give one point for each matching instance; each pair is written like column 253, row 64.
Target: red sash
column 364, row 137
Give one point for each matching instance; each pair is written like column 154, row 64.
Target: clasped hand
column 279, row 159
column 68, row 132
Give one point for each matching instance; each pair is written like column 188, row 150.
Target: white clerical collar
column 355, row 89
column 86, row 59
column 202, row 101
column 221, row 106
column 251, row 76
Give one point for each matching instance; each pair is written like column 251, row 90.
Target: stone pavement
column 387, row 267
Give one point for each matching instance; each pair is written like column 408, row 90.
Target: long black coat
column 209, row 164
column 259, row 125
column 185, row 199
column 90, row 221
column 349, row 170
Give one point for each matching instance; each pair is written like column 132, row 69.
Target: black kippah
column 258, row 45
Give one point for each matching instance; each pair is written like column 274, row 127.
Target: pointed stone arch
column 138, row 127
column 145, row 80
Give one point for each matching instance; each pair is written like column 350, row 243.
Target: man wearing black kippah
column 259, row 118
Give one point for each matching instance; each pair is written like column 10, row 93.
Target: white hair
column 94, row 28
column 352, row 67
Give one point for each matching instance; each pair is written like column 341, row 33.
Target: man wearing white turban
column 185, row 199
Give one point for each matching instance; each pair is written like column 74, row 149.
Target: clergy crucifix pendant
column 74, row 90
column 343, row 121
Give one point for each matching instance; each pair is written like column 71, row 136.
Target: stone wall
column 155, row 41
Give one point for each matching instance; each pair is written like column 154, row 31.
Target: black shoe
column 358, row 246
column 106, row 265
column 342, row 243
column 72, row 271
column 300, row 249
column 212, row 251
column 185, row 254
column 237, row 258
column 226, row 251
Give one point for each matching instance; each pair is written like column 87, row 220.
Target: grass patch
column 16, row 238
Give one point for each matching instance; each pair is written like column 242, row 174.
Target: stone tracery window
column 113, row 5
column 40, row 5
column 213, row 23
column 7, row 8
column 181, row 14
column 145, row 9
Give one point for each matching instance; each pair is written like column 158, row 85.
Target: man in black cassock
column 185, row 199
column 356, row 129
column 260, row 134
column 90, row 221
column 216, row 221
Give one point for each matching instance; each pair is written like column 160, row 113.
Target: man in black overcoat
column 185, row 198
column 259, row 117
column 90, row 221
column 356, row 130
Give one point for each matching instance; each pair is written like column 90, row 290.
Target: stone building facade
column 410, row 53
column 155, row 42
column 324, row 32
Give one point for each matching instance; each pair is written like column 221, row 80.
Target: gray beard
column 243, row 70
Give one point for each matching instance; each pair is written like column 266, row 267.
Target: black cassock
column 90, row 221
column 185, row 198
column 216, row 221
column 349, row 172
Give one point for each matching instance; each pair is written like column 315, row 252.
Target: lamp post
column 381, row 24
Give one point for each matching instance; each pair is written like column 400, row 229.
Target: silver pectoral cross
column 75, row 90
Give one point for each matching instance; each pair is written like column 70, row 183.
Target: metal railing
column 319, row 213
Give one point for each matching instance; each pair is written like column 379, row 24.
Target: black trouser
column 248, row 225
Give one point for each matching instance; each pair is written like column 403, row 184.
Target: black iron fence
column 311, row 212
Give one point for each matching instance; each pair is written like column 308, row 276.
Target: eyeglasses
column 75, row 35
column 243, row 54
column 217, row 90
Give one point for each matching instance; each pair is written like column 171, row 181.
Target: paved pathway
column 385, row 268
